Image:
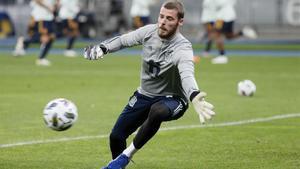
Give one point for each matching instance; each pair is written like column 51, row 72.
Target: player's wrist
column 103, row 48
column 194, row 94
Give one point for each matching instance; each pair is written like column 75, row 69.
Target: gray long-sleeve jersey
column 167, row 65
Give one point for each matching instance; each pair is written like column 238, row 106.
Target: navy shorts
column 42, row 28
column 70, row 24
column 224, row 27
column 137, row 110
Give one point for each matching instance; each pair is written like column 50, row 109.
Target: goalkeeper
column 167, row 82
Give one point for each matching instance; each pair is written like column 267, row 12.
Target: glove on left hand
column 93, row 52
column 203, row 108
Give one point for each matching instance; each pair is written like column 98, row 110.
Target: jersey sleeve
column 127, row 40
column 185, row 66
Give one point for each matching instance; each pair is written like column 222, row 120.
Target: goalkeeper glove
column 94, row 52
column 203, row 108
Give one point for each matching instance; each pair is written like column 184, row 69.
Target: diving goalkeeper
column 167, row 82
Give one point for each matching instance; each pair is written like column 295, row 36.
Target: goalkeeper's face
column 168, row 22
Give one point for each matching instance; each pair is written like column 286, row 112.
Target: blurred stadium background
column 275, row 19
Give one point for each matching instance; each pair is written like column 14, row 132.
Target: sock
column 28, row 41
column 45, row 49
column 222, row 52
column 70, row 43
column 130, row 150
column 208, row 45
column 26, row 44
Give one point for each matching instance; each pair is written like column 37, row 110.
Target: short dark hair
column 175, row 4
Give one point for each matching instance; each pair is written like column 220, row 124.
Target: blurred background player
column 140, row 12
column 208, row 18
column 68, row 11
column 41, row 30
column 224, row 25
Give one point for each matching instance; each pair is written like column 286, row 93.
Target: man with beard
column 167, row 82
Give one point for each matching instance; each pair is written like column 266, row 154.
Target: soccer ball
column 60, row 114
column 246, row 88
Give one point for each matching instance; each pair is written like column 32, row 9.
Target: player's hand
column 93, row 52
column 203, row 108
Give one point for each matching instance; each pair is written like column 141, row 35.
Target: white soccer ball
column 60, row 114
column 246, row 88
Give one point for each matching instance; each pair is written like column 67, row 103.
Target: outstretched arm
column 130, row 39
column 186, row 69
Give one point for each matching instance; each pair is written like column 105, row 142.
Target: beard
column 166, row 34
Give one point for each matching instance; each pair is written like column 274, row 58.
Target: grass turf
column 102, row 88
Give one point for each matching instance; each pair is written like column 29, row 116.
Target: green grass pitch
column 101, row 89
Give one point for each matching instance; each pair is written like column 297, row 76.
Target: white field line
column 234, row 123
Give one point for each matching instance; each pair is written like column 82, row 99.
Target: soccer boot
column 249, row 32
column 70, row 53
column 19, row 48
column 43, row 62
column 119, row 163
column 220, row 60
